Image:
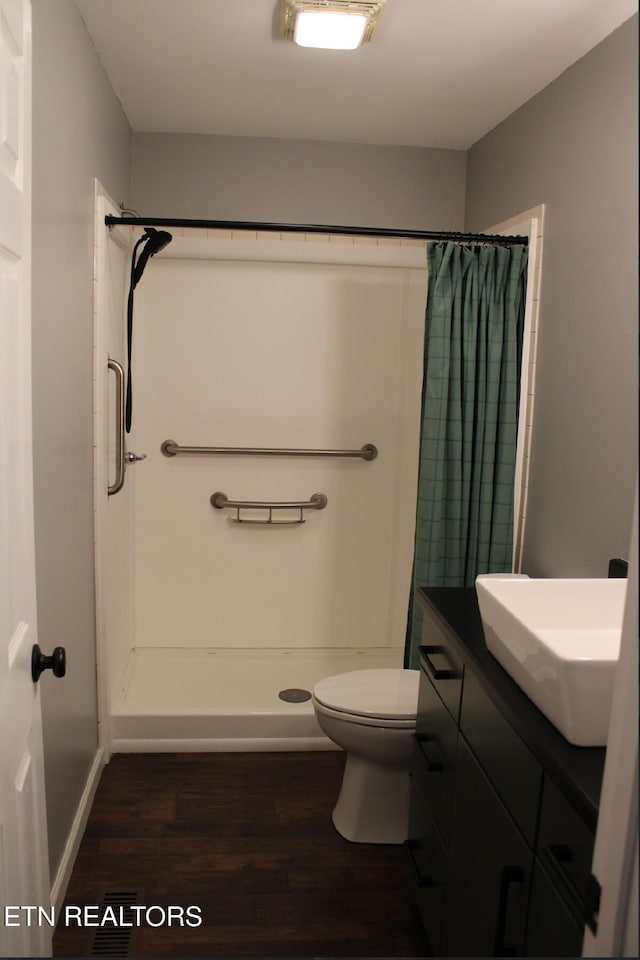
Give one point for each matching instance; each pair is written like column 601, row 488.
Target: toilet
column 371, row 714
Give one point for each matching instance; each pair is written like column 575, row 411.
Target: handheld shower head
column 158, row 239
column 154, row 241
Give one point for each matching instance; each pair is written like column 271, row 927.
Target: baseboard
column 61, row 882
column 298, row 724
column 221, row 745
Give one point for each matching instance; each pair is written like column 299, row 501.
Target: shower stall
column 264, row 539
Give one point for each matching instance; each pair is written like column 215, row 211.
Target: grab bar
column 172, row 449
column 220, row 501
column 120, row 457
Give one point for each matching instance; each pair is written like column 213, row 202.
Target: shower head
column 154, row 241
column 157, row 239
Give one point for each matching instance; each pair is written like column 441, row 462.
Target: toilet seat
column 386, row 697
column 364, row 721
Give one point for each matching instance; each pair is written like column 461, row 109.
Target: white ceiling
column 438, row 73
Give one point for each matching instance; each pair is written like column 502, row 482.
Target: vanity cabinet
column 503, row 809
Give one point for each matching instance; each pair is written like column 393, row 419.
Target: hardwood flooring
column 248, row 838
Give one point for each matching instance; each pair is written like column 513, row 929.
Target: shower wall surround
column 274, row 355
column 255, row 341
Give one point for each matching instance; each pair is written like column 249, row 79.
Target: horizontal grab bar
column 317, row 501
column 172, row 449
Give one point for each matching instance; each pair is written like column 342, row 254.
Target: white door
column 24, row 880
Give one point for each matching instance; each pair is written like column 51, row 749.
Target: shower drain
column 294, row 695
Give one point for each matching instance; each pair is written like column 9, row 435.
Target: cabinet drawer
column 552, row 931
column 427, row 866
column 565, row 847
column 509, row 764
column 442, row 664
column 435, row 753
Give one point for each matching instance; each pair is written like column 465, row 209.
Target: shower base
column 222, row 700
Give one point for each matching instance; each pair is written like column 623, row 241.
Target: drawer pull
column 561, row 854
column 419, row 880
column 510, row 875
column 450, row 673
column 433, row 766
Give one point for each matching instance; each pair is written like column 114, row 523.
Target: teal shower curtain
column 472, row 355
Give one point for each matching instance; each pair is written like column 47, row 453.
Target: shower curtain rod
column 112, row 221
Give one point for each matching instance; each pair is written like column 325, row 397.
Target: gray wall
column 297, row 181
column 80, row 132
column 574, row 148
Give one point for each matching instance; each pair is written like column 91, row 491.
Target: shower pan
column 270, row 543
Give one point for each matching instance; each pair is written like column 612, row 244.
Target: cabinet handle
column 433, row 766
column 509, row 875
column 560, row 854
column 449, row 674
column 419, row 879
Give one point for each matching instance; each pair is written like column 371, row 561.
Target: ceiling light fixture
column 330, row 24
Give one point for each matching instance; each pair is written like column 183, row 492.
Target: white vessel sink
column 560, row 641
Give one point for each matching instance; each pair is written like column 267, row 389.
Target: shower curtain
column 472, row 356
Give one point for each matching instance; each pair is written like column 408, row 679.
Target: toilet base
column 373, row 805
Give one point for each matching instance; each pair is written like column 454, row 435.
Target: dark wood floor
column 248, row 838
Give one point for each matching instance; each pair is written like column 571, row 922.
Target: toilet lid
column 391, row 694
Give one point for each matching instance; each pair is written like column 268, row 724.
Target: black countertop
column 577, row 771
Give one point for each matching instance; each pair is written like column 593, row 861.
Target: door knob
column 134, row 457
column 56, row 662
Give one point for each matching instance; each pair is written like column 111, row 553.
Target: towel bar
column 317, row 501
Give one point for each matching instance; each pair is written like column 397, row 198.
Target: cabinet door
column 489, row 870
column 510, row 765
column 565, row 847
column 552, row 931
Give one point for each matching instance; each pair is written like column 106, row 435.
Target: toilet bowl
column 371, row 714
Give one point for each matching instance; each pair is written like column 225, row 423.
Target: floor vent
column 112, row 939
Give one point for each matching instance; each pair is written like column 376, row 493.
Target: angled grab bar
column 120, row 455
column 317, row 501
column 172, row 449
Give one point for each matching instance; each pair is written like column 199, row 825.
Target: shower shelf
column 317, row 501
column 172, row 449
